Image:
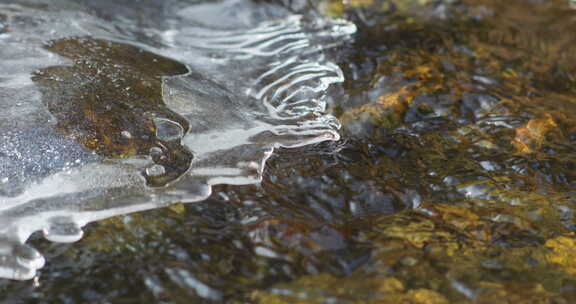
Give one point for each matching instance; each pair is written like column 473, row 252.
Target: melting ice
column 109, row 109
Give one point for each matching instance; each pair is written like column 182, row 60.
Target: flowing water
column 374, row 151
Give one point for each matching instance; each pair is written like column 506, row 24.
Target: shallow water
column 453, row 180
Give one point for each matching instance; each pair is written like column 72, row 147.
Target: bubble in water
column 29, row 257
column 126, row 134
column 155, row 151
column 63, row 230
column 19, row 261
column 168, row 130
column 155, row 170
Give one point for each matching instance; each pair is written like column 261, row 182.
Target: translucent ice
column 108, row 111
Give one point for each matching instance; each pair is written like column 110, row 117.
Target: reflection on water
column 453, row 180
column 118, row 123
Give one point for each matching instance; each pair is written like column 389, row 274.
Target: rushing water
column 441, row 170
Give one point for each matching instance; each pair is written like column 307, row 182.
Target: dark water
column 453, row 180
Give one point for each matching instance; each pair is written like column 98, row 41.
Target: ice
column 63, row 230
column 105, row 112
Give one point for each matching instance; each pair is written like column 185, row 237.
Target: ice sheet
column 110, row 113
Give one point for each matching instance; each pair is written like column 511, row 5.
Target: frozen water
column 108, row 108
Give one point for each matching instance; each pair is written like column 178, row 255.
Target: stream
column 287, row 151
